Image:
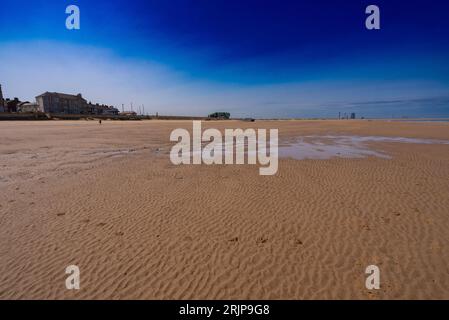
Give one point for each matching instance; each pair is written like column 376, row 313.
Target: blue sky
column 252, row 58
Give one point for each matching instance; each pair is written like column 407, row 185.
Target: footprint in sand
column 60, row 214
column 385, row 220
column 261, row 240
column 366, row 227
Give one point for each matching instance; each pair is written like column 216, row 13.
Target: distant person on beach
column 99, row 121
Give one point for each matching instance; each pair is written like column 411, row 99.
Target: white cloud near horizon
column 28, row 69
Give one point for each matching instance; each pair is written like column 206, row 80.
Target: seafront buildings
column 56, row 103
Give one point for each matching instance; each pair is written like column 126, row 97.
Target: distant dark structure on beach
column 220, row 115
column 346, row 116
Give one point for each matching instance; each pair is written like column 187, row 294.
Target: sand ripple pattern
column 141, row 228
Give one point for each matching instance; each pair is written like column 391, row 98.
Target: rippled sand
column 107, row 198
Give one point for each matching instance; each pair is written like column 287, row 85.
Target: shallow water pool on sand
column 325, row 147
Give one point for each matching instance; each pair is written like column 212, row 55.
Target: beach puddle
column 325, row 147
column 317, row 147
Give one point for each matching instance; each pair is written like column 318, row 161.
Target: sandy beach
column 107, row 199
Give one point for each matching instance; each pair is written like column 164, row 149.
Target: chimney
column 2, row 101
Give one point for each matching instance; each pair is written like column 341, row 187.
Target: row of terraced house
column 56, row 103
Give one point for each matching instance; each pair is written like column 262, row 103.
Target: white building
column 27, row 107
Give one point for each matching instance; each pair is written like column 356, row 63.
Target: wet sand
column 107, row 198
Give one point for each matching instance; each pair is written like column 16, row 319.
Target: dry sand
column 108, row 199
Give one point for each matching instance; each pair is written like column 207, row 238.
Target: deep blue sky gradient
column 249, row 43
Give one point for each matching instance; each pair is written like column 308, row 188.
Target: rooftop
column 62, row 95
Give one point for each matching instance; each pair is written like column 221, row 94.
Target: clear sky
column 252, row 58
